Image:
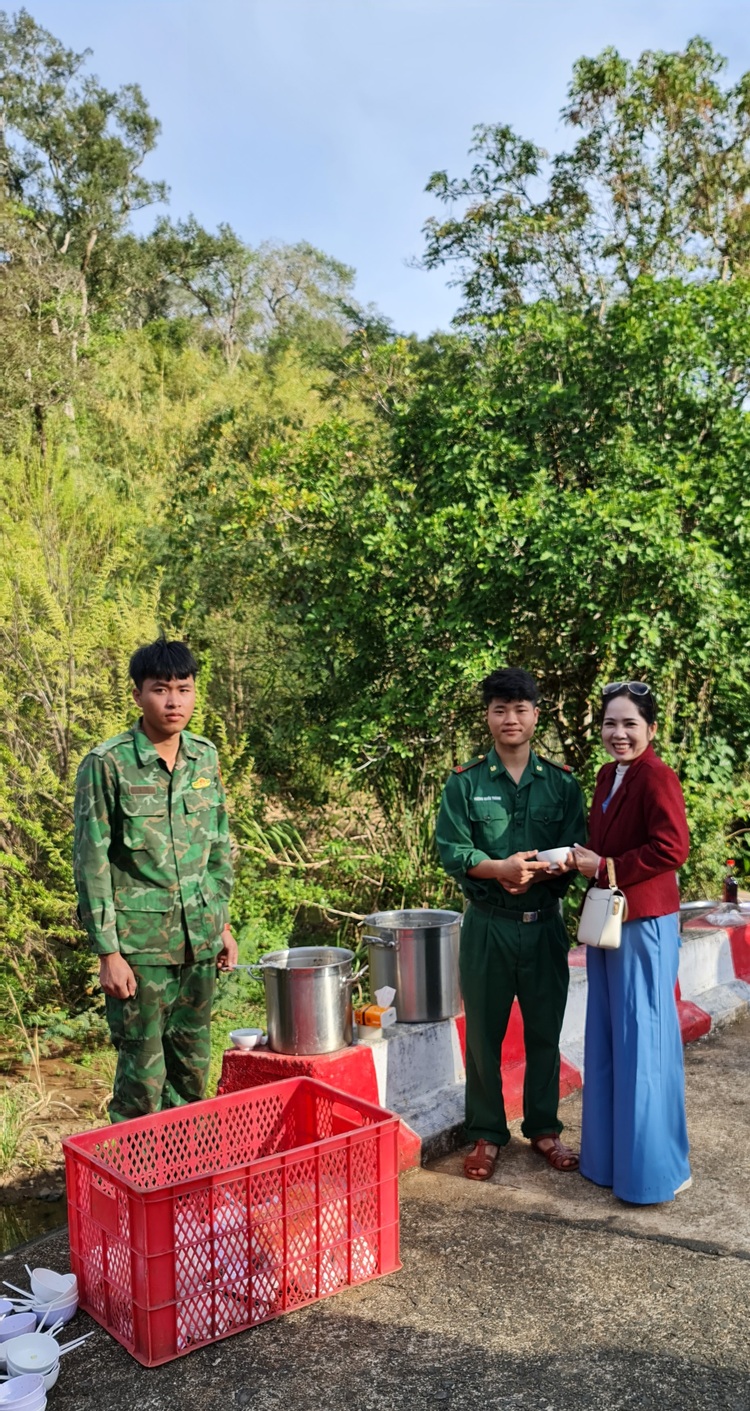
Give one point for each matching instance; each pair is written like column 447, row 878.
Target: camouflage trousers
column 163, row 1038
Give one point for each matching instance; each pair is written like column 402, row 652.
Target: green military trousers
column 163, row 1038
column 501, row 958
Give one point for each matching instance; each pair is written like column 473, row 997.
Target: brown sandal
column 479, row 1165
column 555, row 1153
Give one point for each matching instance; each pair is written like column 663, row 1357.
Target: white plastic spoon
column 69, row 1346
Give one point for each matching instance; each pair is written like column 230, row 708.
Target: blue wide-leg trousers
column 634, row 1129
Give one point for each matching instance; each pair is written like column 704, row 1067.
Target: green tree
column 40, row 322
column 71, row 151
column 250, row 298
column 72, row 608
column 567, row 494
column 656, row 183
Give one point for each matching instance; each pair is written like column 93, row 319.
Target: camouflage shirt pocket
column 145, row 822
column 201, row 814
column 146, row 920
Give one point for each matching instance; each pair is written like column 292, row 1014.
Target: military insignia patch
column 201, row 783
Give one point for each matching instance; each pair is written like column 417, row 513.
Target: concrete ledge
column 439, row 1120
column 725, row 1003
column 418, row 1070
column 711, row 990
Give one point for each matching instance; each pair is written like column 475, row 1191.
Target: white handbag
column 604, row 910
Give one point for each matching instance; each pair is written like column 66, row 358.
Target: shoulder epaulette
column 565, row 768
column 200, row 739
column 111, row 743
column 470, row 764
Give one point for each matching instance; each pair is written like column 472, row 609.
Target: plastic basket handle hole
column 345, row 1119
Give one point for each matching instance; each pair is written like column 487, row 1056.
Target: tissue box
column 375, row 1016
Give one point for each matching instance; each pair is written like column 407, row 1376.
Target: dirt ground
column 78, row 1088
column 535, row 1292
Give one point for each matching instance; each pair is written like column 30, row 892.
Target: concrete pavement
column 537, row 1292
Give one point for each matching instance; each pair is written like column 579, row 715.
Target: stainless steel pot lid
column 306, row 958
column 412, row 920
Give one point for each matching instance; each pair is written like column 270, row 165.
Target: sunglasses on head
column 636, row 688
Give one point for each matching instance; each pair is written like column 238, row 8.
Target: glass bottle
column 730, row 884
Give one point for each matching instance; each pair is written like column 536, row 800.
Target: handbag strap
column 611, row 874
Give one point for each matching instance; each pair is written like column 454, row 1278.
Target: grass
column 23, row 1108
column 21, row 1113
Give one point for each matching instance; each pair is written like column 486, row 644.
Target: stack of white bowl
column 13, row 1325
column 34, row 1354
column 27, row 1393
column 55, row 1296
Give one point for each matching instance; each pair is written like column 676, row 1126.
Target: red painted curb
column 739, row 943
column 694, row 1021
column 513, row 1064
column 351, row 1070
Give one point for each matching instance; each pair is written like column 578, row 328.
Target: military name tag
column 200, row 783
column 139, row 789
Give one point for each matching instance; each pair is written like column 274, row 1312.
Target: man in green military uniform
column 153, row 874
column 496, row 813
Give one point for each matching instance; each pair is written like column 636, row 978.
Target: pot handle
column 251, row 969
column 387, row 943
column 354, row 979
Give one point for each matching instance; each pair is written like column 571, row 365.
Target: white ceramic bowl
column 245, row 1038
column 47, row 1285
column 16, row 1324
column 32, row 1352
column 59, row 1301
column 55, row 1313
column 25, row 1393
column 21, row 1388
column 48, row 1379
column 554, row 856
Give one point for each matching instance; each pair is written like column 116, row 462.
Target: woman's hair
column 645, row 705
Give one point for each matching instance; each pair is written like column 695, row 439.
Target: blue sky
column 321, row 120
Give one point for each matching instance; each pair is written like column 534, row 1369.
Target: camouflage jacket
column 152, row 848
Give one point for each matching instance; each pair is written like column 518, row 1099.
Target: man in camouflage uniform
column 496, row 813
column 153, row 875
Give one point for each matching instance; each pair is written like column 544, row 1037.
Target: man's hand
column 519, row 891
column 517, row 872
column 229, row 953
column 560, row 868
column 115, row 976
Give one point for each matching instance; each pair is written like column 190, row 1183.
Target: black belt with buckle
column 488, row 909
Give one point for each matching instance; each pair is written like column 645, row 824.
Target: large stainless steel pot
column 308, row 998
column 416, row 952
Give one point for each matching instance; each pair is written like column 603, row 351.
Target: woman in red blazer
column 634, row 1130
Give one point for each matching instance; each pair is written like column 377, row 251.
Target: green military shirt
column 485, row 814
column 152, row 853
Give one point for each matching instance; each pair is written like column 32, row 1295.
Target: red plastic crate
column 207, row 1219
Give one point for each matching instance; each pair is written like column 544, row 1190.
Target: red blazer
column 644, row 831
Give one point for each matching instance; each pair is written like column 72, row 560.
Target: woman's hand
column 587, row 861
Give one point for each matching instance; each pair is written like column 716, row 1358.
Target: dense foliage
column 352, row 526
